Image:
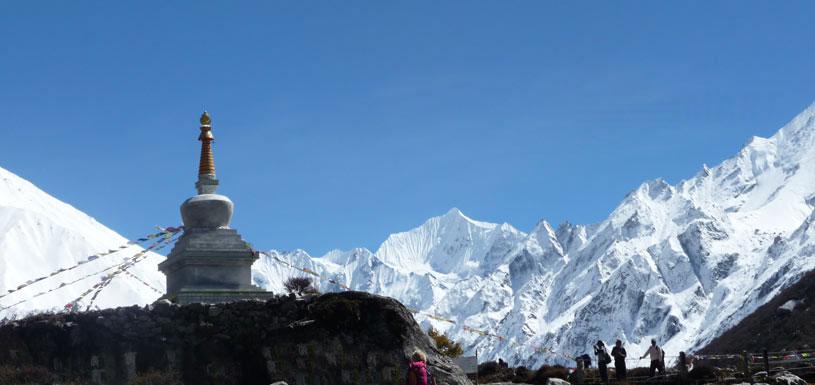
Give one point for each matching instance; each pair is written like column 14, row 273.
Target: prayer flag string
column 143, row 282
column 163, row 233
column 162, row 242
column 122, row 267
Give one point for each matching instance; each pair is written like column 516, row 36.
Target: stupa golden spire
column 207, row 183
column 207, row 164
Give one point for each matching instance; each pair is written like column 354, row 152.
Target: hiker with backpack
column 579, row 375
column 418, row 373
column 586, row 360
column 657, row 355
column 603, row 360
column 618, row 352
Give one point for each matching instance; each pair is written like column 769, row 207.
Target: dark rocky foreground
column 787, row 322
column 341, row 338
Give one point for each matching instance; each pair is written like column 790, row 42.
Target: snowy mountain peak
column 445, row 243
column 455, row 212
column 544, row 238
column 657, row 189
column 40, row 234
column 455, row 215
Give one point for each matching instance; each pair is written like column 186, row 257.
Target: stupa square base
column 188, row 296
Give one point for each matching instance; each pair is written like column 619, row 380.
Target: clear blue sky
column 338, row 123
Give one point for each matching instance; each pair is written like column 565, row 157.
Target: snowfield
column 679, row 263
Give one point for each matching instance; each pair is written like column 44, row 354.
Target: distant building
column 468, row 364
column 210, row 262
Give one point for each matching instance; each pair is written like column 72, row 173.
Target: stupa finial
column 207, row 183
column 205, row 119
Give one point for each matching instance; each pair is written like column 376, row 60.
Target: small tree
column 299, row 286
column 445, row 346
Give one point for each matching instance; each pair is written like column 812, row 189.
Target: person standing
column 417, row 370
column 602, row 360
column 656, row 358
column 579, row 374
column 619, row 354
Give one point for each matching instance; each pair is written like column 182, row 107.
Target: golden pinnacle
column 205, row 120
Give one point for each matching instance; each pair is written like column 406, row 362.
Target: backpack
column 604, row 357
column 430, row 379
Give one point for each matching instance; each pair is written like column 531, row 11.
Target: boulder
column 787, row 378
column 761, row 377
column 556, row 381
column 790, row 305
column 336, row 338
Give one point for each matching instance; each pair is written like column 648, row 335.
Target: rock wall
column 338, row 338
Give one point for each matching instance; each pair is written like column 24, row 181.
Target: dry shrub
column 300, row 286
column 445, row 345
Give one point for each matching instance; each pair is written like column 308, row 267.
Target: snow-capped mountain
column 40, row 234
column 679, row 263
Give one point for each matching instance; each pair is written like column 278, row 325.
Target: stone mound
column 338, row 338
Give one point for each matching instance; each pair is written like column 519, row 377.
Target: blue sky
column 338, row 123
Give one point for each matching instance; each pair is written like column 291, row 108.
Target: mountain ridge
column 680, row 263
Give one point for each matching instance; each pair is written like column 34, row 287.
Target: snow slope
column 680, row 263
column 40, row 234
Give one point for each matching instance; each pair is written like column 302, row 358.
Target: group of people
column 619, row 355
column 418, row 373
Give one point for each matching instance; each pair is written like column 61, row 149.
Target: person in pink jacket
column 417, row 370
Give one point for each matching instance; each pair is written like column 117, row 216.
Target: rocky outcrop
column 787, row 378
column 786, row 322
column 341, row 338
